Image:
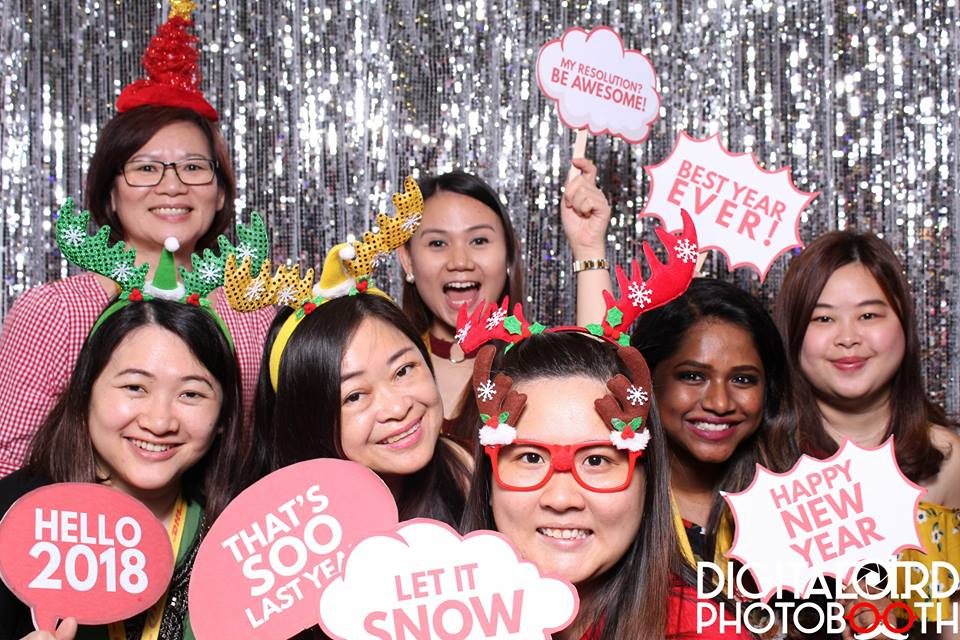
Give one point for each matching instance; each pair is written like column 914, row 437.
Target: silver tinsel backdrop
column 327, row 105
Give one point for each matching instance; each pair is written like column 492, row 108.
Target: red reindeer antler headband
column 667, row 281
column 625, row 409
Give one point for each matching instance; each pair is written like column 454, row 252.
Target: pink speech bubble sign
column 428, row 580
column 824, row 517
column 598, row 85
column 749, row 214
column 84, row 550
column 260, row 569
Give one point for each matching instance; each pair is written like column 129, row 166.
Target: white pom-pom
column 501, row 434
column 171, row 244
column 348, row 252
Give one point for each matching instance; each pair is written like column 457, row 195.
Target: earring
column 508, row 272
column 409, row 278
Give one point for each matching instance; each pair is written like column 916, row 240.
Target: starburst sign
column 824, row 517
column 748, row 213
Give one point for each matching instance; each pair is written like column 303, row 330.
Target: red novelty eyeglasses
column 526, row 465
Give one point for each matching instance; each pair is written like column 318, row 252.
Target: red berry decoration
column 135, row 295
column 309, row 307
column 194, row 299
column 362, row 286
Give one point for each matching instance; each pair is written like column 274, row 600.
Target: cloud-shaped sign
column 749, row 214
column 260, row 569
column 824, row 517
column 427, row 581
column 598, row 85
column 86, row 551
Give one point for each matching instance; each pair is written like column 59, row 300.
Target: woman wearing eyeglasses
column 575, row 475
column 158, row 172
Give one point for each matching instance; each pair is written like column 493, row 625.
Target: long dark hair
column 911, row 411
column 128, row 131
column 658, row 335
column 62, row 449
column 469, row 185
column 301, row 420
column 630, row 598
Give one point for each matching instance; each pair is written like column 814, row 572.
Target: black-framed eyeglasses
column 149, row 173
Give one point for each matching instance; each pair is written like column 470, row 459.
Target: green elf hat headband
column 346, row 271
column 626, row 409
column 94, row 253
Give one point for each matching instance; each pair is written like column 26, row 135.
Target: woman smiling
column 153, row 410
column 161, row 169
column 718, row 372
column 575, row 475
column 848, row 322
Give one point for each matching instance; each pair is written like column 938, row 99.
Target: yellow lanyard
column 151, row 627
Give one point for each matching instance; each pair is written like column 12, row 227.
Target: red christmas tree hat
column 173, row 73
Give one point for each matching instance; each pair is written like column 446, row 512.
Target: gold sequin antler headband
column 346, row 271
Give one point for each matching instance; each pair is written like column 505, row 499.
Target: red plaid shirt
column 41, row 339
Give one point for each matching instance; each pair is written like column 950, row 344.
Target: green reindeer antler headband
column 94, row 253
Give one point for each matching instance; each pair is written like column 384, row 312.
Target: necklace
column 446, row 349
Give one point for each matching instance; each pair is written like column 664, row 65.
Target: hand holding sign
column 585, row 212
column 85, row 551
column 824, row 517
column 428, row 582
column 751, row 215
column 261, row 567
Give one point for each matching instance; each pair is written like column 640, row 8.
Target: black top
column 15, row 618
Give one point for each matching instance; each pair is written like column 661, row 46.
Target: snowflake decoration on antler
column 255, row 290
column 287, row 295
column 211, row 273
column 495, row 319
column 74, row 236
column 486, row 390
column 686, row 251
column 245, row 251
column 640, row 294
column 637, row 396
column 121, row 272
column 412, row 223
column 462, row 332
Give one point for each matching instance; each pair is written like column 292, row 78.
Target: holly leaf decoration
column 614, row 316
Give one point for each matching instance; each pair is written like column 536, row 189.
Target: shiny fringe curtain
column 328, row 105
